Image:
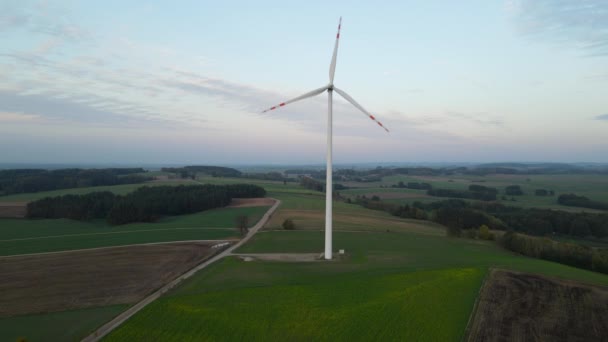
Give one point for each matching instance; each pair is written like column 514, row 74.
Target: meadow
column 402, row 286
column 58, row 326
column 19, row 236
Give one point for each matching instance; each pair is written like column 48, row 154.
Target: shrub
column 288, row 224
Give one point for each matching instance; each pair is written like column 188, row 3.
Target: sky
column 185, row 82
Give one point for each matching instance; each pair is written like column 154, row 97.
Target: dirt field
column 80, row 279
column 250, row 202
column 525, row 307
column 13, row 209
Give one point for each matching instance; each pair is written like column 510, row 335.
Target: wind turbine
column 329, row 182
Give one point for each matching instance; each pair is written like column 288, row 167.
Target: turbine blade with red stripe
column 301, row 97
column 332, row 66
column 354, row 103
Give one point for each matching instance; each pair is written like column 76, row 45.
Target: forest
column 459, row 214
column 146, row 204
column 34, row 180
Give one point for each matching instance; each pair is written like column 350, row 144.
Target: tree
column 242, row 223
column 484, row 233
column 288, row 224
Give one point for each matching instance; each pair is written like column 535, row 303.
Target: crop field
column 397, row 281
column 400, row 279
column 87, row 278
column 345, row 309
column 517, row 306
column 19, row 236
column 65, row 326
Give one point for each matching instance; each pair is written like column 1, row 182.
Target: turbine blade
column 332, row 66
column 354, row 103
column 301, row 97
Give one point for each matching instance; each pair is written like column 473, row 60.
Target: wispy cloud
column 43, row 17
column 583, row 23
column 603, row 117
column 481, row 118
column 11, row 117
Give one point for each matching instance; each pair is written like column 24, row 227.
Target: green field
column 355, row 308
column 399, row 280
column 592, row 186
column 20, row 236
column 117, row 189
column 58, row 326
column 394, row 286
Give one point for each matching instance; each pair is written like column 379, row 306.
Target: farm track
column 120, row 319
column 516, row 306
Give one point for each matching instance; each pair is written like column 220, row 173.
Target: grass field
column 390, row 286
column 63, row 326
column 358, row 308
column 19, row 236
column 117, row 189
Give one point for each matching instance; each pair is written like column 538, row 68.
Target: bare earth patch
column 283, row 257
column 81, row 279
column 517, row 306
column 13, row 209
column 251, row 202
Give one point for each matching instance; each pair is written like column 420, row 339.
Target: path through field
column 118, row 320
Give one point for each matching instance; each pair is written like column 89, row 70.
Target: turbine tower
column 329, row 182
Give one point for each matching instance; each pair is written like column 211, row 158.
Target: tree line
column 146, row 204
column 215, row 171
column 462, row 215
column 476, row 192
column 34, row 180
column 581, row 201
column 565, row 253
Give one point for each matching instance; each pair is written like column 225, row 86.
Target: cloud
column 603, row 117
column 483, row 119
column 6, row 117
column 48, row 18
column 89, row 111
column 582, row 23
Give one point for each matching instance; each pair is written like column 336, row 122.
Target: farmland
column 357, row 308
column 388, row 270
column 514, row 305
column 116, row 189
column 89, row 278
column 399, row 279
column 19, row 236
column 592, row 186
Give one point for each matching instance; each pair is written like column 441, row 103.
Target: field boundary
column 124, row 316
column 118, row 246
column 467, row 330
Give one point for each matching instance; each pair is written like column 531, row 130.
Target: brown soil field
column 89, row 278
column 251, row 202
column 517, row 306
column 13, row 209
